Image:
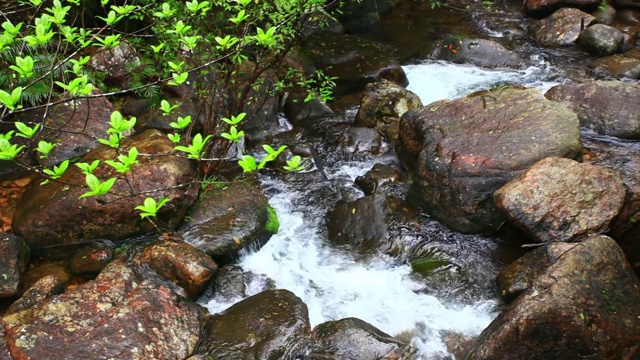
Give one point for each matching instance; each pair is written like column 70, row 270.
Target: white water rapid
column 331, row 282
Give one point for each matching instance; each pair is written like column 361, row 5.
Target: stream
column 379, row 289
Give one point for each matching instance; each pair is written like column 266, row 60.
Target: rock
column 545, row 7
column 361, row 140
column 180, row 263
column 228, row 219
column 519, row 275
column 380, row 179
column 297, row 109
column 55, row 215
column 364, row 223
column 601, row 40
column 625, row 160
column 617, row 66
column 360, row 15
column 584, row 305
column 75, row 125
column 90, row 260
column 383, row 103
column 117, row 64
column 627, row 4
column 14, row 254
column 153, row 118
column 57, row 268
column 5, row 354
column 118, row 315
column 231, row 283
column 560, row 199
column 480, row 52
column 459, row 152
column 43, row 289
column 350, row 339
column 270, row 326
column 608, row 107
column 355, row 61
column 605, row 15
column 562, row 28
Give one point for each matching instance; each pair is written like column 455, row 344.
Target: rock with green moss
column 227, row 219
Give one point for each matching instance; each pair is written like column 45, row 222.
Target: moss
column 273, row 224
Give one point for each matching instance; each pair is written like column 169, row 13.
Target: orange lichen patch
column 10, row 193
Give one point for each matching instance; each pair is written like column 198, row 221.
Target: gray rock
column 14, row 254
column 480, row 52
column 601, row 40
column 608, row 107
column 584, row 305
column 459, row 152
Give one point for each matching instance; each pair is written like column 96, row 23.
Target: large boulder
column 55, row 214
column 354, row 60
column 601, row 40
column 14, row 254
column 459, row 152
column 228, row 219
column 608, row 107
column 562, row 28
column 119, row 315
column 480, row 52
column 268, row 326
column 351, row 339
column 586, row 305
column 560, row 199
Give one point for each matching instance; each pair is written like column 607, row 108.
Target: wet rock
column 116, row 64
column 605, row 15
column 519, row 275
column 601, row 40
column 180, row 263
column 351, row 339
column 544, row 7
column 562, row 28
column 624, row 159
column 55, row 215
column 480, row 52
column 355, row 61
column 459, row 152
column 153, row 117
column 562, row 200
column 584, row 305
column 90, row 260
column 617, row 66
column 43, row 289
column 5, row 354
column 57, row 268
column 231, row 283
column 364, row 223
column 118, row 315
column 270, row 326
column 297, row 109
column 383, row 103
column 457, row 344
column 75, row 125
column 608, row 107
column 14, row 254
column 627, row 4
column 361, row 140
column 380, row 179
column 228, row 219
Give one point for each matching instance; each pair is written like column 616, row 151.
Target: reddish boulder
column 562, row 28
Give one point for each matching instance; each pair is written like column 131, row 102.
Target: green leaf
column 248, row 163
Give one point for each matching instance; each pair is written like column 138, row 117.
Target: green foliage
column 56, row 172
column 294, row 164
column 97, row 187
column 150, row 207
column 124, row 163
column 196, row 148
column 273, row 224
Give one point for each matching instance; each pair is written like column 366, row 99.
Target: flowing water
column 335, row 283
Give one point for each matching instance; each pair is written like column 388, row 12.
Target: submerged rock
column 584, row 305
column 459, row 152
column 228, row 219
column 380, row 179
column 560, row 199
column 562, row 28
column 14, row 254
column 351, row 339
column 608, row 107
column 268, row 326
column 118, row 315
column 55, row 214
column 479, row 52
